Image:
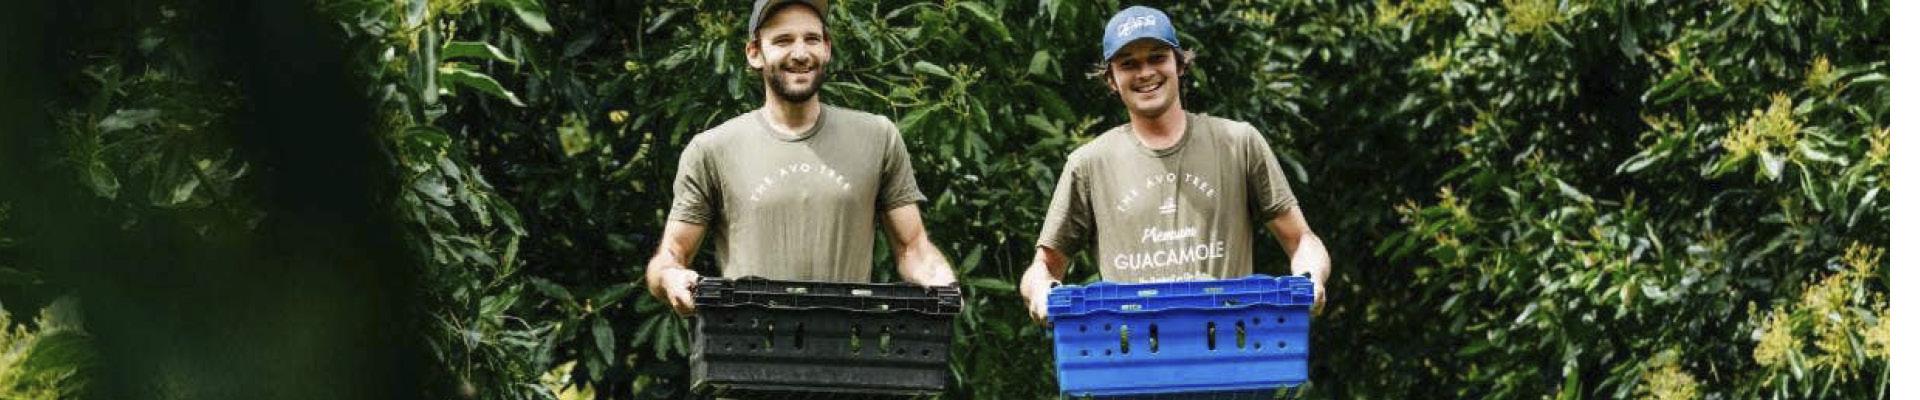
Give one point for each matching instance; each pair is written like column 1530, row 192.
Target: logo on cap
column 1126, row 28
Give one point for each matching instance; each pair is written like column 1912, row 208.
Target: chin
column 1149, row 109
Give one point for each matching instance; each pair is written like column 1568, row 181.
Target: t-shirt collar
column 766, row 124
column 1193, row 123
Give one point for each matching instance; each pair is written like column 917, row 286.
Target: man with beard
column 791, row 190
column 1170, row 195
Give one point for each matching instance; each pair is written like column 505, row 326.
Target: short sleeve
column 897, row 186
column 1069, row 219
column 695, row 193
column 1267, row 188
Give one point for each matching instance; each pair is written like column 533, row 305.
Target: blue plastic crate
column 1229, row 338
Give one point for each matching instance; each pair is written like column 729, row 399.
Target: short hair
column 1104, row 72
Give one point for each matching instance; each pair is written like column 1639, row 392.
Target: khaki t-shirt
column 1181, row 213
column 794, row 207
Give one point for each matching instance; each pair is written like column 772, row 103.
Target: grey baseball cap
column 761, row 7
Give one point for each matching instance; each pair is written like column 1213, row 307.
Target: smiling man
column 791, row 190
column 1170, row 195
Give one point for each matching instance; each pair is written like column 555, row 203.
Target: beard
column 776, row 78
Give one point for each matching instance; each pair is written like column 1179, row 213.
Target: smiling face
column 791, row 52
column 1146, row 75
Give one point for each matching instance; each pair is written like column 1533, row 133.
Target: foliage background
column 1523, row 198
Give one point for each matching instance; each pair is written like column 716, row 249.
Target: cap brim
column 1116, row 50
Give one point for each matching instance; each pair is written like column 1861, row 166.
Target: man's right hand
column 1035, row 293
column 676, row 285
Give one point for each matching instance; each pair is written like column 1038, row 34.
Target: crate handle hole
column 886, row 339
column 1240, row 334
column 853, row 341
column 800, row 336
column 767, row 342
column 1153, row 338
column 1211, row 336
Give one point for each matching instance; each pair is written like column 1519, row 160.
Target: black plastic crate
column 764, row 339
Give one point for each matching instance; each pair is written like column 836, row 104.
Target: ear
column 753, row 55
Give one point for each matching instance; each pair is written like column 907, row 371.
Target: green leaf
column 102, row 180
column 1571, row 192
column 991, row 285
column 931, row 69
column 474, row 50
column 530, row 12
column 603, row 340
column 128, row 119
column 613, row 294
column 551, row 289
column 458, row 76
column 1771, row 165
column 1041, row 59
column 990, row 18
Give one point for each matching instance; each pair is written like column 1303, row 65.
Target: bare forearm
column 662, row 262
column 1310, row 255
column 926, row 266
column 1048, row 267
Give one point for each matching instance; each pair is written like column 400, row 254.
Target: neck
column 1161, row 131
column 792, row 118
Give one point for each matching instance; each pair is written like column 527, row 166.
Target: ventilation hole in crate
column 886, row 339
column 1282, row 344
column 1256, row 346
column 899, row 352
column 728, row 321
column 727, row 345
column 1240, row 334
column 1083, row 327
column 853, row 339
column 1083, row 352
column 1256, row 321
column 1108, row 327
column 926, row 353
column 1211, row 336
column 767, row 342
column 1109, row 352
column 1126, row 345
column 1280, row 320
column 1153, row 338
column 800, row 336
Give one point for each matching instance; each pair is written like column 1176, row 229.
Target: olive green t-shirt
column 1185, row 212
column 799, row 207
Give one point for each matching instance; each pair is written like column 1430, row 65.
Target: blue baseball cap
column 1135, row 23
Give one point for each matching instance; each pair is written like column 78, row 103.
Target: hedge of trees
column 1522, row 198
